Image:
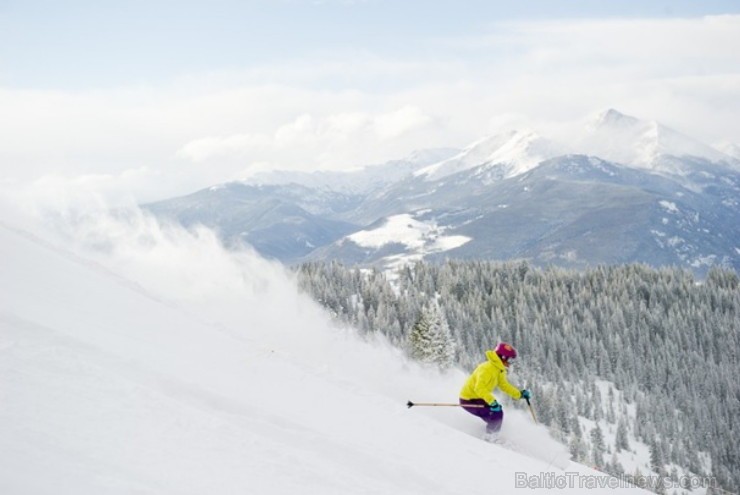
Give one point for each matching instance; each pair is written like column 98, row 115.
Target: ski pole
column 441, row 404
column 532, row 411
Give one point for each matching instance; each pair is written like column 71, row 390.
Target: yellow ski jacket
column 486, row 377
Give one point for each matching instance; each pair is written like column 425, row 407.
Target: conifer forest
column 666, row 342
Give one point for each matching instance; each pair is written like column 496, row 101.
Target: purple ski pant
column 493, row 419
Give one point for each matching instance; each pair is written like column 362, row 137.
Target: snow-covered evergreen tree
column 622, row 442
column 614, row 467
column 578, row 448
column 598, row 447
column 657, row 461
column 430, row 340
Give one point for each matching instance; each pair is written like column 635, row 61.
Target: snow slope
column 213, row 376
column 418, row 237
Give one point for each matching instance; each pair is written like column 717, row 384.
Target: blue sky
column 163, row 97
column 83, row 44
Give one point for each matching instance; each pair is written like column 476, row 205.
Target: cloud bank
column 346, row 109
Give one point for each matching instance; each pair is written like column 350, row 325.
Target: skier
column 478, row 389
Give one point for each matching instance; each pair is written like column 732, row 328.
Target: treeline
column 668, row 342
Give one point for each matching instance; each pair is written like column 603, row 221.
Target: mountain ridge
column 520, row 195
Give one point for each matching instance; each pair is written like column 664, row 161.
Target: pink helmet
column 506, row 352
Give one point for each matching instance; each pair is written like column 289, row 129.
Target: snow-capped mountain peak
column 515, row 151
column 613, row 118
column 624, row 139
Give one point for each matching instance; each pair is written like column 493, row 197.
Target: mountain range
column 625, row 190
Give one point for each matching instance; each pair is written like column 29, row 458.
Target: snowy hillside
column 140, row 371
column 605, row 366
column 415, row 237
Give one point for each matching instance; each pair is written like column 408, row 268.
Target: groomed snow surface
column 163, row 365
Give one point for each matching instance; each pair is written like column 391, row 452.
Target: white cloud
column 328, row 141
column 682, row 71
column 208, row 147
column 351, row 109
column 398, row 123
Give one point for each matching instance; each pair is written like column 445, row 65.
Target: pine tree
column 656, row 456
column 430, row 340
column 610, row 414
column 621, row 440
column 597, row 446
column 562, row 412
column 578, row 448
column 419, row 343
column 614, row 467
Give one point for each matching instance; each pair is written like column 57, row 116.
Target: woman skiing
column 478, row 389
